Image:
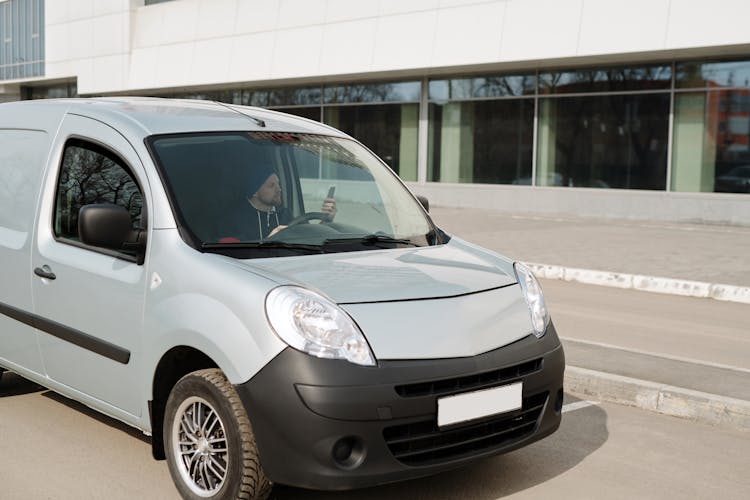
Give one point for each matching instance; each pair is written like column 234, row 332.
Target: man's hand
column 329, row 208
column 276, row 230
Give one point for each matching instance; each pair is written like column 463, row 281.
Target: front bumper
column 332, row 425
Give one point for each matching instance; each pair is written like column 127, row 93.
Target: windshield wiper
column 370, row 239
column 264, row 245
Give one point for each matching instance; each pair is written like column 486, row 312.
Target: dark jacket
column 250, row 224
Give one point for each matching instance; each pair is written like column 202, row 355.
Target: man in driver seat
column 262, row 214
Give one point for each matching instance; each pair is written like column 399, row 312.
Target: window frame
column 106, row 151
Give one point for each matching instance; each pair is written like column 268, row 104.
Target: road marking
column 659, row 355
column 578, row 405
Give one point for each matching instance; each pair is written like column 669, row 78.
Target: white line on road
column 578, row 405
column 658, row 355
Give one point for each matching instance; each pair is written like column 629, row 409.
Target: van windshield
column 253, row 194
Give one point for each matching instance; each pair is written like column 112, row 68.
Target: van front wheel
column 210, row 446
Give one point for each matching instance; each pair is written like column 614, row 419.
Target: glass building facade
column 679, row 126
column 384, row 116
column 21, row 39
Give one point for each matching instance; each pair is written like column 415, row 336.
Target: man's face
column 270, row 192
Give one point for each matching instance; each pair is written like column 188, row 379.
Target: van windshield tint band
column 83, row 340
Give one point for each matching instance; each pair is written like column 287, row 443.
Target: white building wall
column 122, row 45
column 90, row 40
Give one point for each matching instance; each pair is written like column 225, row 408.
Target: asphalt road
column 704, row 330
column 57, row 449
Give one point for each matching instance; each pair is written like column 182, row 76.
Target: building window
column 620, row 79
column 481, row 130
column 604, row 141
column 384, row 116
column 57, row 91
column 21, row 39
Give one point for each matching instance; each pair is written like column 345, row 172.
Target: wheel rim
column 200, row 446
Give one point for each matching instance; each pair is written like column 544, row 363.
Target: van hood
column 449, row 270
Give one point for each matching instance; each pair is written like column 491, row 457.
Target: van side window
column 92, row 174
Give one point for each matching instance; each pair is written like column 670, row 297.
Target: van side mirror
column 109, row 226
column 425, row 202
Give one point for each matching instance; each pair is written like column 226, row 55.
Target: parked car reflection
column 736, row 180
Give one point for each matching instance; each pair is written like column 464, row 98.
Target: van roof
column 151, row 115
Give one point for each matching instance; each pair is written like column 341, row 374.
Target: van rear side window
column 92, row 174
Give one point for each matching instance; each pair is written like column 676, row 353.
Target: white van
column 262, row 295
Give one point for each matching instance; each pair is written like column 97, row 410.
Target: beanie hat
column 257, row 176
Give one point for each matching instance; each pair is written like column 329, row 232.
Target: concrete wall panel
column 538, row 29
column 346, row 10
column 616, row 27
column 79, row 9
column 295, row 13
column 180, row 20
column 252, row 56
column 111, row 35
column 405, row 41
column 174, row 63
column 704, row 23
column 206, row 65
column 81, row 39
column 348, row 47
column 256, row 15
column 216, row 18
column 110, row 71
column 469, row 35
column 297, row 52
column 390, row 7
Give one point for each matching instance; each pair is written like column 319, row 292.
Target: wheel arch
column 173, row 365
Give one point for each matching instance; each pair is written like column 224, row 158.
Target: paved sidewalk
column 707, row 253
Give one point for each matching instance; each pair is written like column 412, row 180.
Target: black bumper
column 332, row 425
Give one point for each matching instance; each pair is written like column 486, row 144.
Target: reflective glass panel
column 368, row 92
column 481, row 141
column 606, row 80
column 488, row 86
column 293, row 96
column 390, row 130
column 711, row 145
column 90, row 174
column 612, row 141
column 21, row 39
column 712, row 74
column 50, row 91
column 313, row 113
column 255, row 187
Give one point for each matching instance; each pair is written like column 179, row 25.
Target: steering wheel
column 308, row 217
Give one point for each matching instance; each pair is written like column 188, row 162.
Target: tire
column 220, row 454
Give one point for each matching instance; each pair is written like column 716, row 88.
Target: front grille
column 469, row 382
column 423, row 443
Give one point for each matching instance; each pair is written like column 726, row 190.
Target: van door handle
column 45, row 272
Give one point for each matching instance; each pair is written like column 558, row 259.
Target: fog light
column 348, row 452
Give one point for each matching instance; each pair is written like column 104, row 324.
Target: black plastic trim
column 418, row 299
column 76, row 337
column 302, row 407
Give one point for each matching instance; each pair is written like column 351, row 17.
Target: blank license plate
column 478, row 404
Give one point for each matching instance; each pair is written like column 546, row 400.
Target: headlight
column 313, row 324
column 534, row 298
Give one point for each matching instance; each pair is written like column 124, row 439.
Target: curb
column 729, row 293
column 660, row 398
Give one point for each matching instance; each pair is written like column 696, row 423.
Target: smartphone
column 331, row 191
